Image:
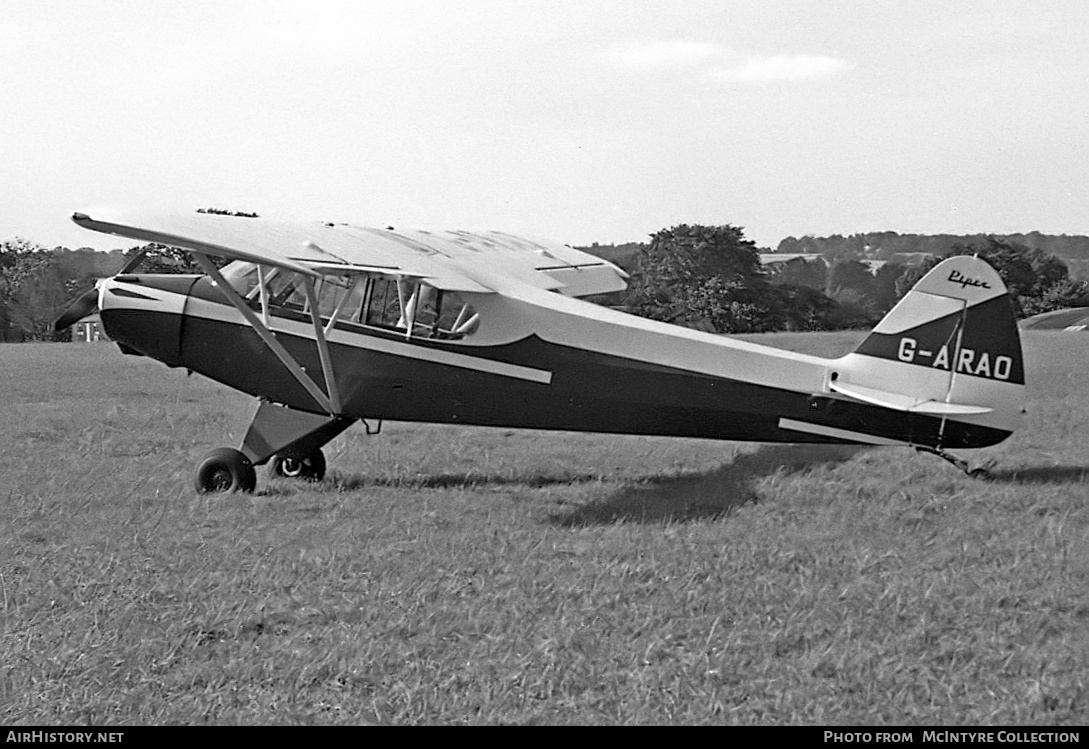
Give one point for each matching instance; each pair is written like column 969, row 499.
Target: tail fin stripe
column 989, row 346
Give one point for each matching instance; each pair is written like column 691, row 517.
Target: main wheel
column 308, row 468
column 225, row 470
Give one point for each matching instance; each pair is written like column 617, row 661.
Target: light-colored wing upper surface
column 451, row 260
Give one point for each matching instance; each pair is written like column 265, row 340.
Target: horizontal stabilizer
column 900, row 402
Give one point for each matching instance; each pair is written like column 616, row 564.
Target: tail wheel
column 308, row 468
column 225, row 470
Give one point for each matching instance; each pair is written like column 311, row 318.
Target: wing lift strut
column 292, row 437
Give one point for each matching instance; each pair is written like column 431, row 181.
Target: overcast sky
column 580, row 121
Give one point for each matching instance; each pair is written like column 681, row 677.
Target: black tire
column 225, row 470
column 290, row 466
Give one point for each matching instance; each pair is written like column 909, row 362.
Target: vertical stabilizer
column 949, row 350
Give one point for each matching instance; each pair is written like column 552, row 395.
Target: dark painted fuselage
column 530, row 382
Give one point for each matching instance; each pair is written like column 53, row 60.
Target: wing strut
column 339, row 311
column 323, row 344
column 262, row 285
column 329, row 403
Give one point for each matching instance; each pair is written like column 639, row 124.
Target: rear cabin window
column 383, row 304
column 433, row 313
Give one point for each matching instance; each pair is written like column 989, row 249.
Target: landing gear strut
column 289, row 439
column 978, row 472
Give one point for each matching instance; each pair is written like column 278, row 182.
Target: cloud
column 724, row 63
column 783, row 68
column 677, row 54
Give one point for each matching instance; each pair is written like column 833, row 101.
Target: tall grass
column 457, row 575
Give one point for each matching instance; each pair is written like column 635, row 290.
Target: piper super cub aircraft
column 328, row 324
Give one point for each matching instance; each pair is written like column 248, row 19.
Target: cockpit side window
column 332, row 292
column 287, row 290
column 385, row 303
column 284, row 289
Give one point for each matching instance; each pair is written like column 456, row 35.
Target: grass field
column 447, row 575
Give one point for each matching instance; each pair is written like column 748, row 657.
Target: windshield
column 241, row 275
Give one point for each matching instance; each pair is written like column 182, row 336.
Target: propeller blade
column 85, row 304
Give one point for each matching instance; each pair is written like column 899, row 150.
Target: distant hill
column 887, row 243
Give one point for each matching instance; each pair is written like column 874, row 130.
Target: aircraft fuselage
column 538, row 361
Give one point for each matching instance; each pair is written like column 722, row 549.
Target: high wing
column 462, row 261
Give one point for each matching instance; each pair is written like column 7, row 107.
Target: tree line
column 709, row 277
column 37, row 284
column 712, row 277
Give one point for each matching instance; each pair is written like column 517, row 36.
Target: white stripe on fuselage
column 587, row 327
column 841, row 434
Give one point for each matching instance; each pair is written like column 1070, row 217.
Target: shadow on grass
column 1041, row 475
column 470, row 480
column 707, row 495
